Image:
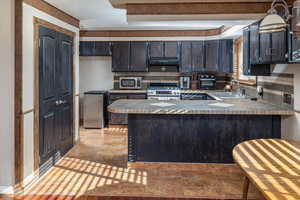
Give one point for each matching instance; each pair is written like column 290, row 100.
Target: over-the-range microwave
column 130, row 82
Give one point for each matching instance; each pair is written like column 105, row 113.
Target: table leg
column 245, row 188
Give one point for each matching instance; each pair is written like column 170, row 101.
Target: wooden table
column 272, row 165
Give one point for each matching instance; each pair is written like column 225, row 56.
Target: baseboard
column 6, row 190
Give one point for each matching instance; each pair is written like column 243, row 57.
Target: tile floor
column 97, row 166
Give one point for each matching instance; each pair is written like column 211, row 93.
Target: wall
column 291, row 125
column 95, row 73
column 7, row 96
column 28, row 81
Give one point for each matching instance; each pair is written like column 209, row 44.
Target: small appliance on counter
column 207, row 82
column 185, row 82
column 130, row 82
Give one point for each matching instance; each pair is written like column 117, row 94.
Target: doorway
column 55, row 96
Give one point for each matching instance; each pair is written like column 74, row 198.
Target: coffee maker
column 185, row 82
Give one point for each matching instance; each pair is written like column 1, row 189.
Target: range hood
column 164, row 62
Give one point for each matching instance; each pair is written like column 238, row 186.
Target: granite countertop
column 227, row 104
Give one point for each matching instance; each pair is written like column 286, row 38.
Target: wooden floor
column 96, row 168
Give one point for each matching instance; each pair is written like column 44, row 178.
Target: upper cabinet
column 121, row 56
column 262, row 49
column 102, row 49
column 192, row 56
column 156, row 49
column 94, row 48
column 172, row 49
column 138, row 56
column 130, row 56
column 225, row 56
column 186, row 57
column 294, row 48
column 198, row 55
column 86, row 48
column 159, row 49
column 211, row 55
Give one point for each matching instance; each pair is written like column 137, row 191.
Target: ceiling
column 100, row 15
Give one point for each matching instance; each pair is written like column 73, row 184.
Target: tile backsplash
column 275, row 87
column 173, row 77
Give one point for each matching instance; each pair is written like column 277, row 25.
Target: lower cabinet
column 119, row 118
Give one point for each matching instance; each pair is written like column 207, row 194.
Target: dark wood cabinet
column 294, row 48
column 192, row 56
column 102, row 49
column 279, row 47
column 94, row 48
column 198, row 54
column 211, row 55
column 265, row 48
column 254, row 43
column 273, row 48
column 119, row 118
column 225, row 56
column 159, row 49
column 246, row 52
column 138, row 57
column 121, row 56
column 186, row 57
column 156, row 49
column 171, row 49
column 86, row 48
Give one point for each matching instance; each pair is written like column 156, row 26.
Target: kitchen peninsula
column 197, row 131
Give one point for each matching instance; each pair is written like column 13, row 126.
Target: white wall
column 28, row 80
column 7, row 96
column 95, row 73
column 291, row 125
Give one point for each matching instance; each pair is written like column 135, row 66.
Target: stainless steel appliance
column 207, row 82
column 93, row 109
column 130, row 82
column 185, row 82
column 163, row 91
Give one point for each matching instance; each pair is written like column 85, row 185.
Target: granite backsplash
column 171, row 77
column 275, row 87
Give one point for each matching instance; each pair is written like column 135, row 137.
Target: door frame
column 37, row 23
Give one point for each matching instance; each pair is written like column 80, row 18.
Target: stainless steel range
column 163, row 91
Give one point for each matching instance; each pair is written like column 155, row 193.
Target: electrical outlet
column 287, row 98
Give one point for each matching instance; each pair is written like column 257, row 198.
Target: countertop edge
column 209, row 112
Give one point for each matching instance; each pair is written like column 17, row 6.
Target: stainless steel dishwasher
column 94, row 109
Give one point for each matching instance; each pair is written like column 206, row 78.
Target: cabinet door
column 171, row 50
column 246, row 64
column 120, row 56
column 86, row 48
column 137, row 96
column 295, row 48
column 117, row 118
column 212, row 55
column 186, row 57
column 254, row 43
column 198, row 56
column 102, row 49
column 138, row 57
column 279, row 47
column 226, row 56
column 265, row 48
column 156, row 49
